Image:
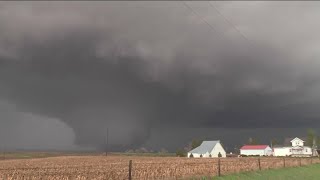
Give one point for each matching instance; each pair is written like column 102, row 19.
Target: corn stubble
column 116, row 167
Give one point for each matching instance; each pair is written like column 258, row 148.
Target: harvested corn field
column 117, row 167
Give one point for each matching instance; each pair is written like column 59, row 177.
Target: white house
column 208, row 149
column 296, row 149
column 256, row 150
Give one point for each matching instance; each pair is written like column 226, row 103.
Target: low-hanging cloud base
column 130, row 69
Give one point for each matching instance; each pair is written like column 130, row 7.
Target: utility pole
column 314, row 146
column 4, row 153
column 107, row 139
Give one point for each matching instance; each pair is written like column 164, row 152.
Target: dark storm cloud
column 106, row 65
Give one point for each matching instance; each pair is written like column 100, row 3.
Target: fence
column 255, row 164
column 140, row 168
column 218, row 167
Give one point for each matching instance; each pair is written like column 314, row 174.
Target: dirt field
column 116, row 167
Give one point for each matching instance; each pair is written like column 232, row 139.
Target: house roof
column 297, row 139
column 287, row 141
column 248, row 147
column 206, row 146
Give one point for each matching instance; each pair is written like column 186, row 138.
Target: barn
column 208, row 149
column 256, row 150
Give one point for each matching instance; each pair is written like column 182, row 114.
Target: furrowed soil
column 117, row 167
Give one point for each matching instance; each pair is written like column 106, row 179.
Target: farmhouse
column 208, row 149
column 256, row 150
column 296, row 148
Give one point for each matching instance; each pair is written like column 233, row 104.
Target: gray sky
column 70, row 70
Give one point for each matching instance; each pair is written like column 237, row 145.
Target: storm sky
column 71, row 70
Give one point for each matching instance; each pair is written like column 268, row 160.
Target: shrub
column 163, row 151
column 181, row 153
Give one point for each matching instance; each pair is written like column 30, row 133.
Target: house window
column 290, row 150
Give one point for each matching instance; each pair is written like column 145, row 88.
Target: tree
column 141, row 150
column 274, row 141
column 130, row 151
column 236, row 150
column 311, row 135
column 253, row 141
column 188, row 147
column 181, row 153
column 163, row 151
column 195, row 143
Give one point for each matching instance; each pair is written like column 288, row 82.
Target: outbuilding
column 256, row 150
column 208, row 149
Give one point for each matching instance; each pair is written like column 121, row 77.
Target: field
column 31, row 154
column 311, row 172
column 116, row 167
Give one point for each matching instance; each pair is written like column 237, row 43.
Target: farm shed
column 208, row 149
column 256, row 150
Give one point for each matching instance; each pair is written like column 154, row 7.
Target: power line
column 198, row 15
column 229, row 22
